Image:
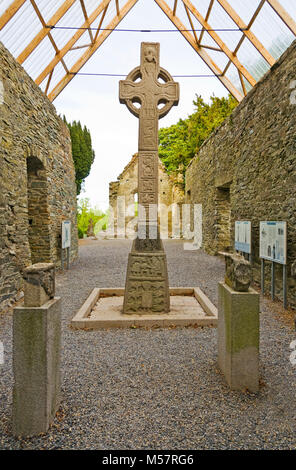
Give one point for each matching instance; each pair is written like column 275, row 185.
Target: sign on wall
column 66, row 234
column 273, row 241
column 243, row 236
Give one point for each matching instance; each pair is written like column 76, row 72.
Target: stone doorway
column 38, row 213
column 223, row 209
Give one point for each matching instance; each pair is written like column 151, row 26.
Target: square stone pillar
column 238, row 337
column 36, row 353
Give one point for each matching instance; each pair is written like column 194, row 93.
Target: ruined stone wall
column 246, row 170
column 169, row 192
column 37, row 178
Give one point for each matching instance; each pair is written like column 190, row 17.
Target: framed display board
column 273, row 241
column 243, row 236
column 66, row 234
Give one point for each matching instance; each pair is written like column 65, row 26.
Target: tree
column 180, row 142
column 82, row 151
column 84, row 213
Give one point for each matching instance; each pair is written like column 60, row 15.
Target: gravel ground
column 157, row 389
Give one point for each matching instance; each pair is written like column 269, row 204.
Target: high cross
column 143, row 87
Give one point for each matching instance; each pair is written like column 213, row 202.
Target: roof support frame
column 98, row 36
column 206, row 18
column 201, row 52
column 283, row 14
column 38, row 13
column 251, row 36
column 44, row 31
column 10, row 12
column 86, row 19
column 92, row 49
column 71, row 42
column 220, row 43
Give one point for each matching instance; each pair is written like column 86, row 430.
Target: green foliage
column 82, row 151
column 180, row 142
column 84, row 213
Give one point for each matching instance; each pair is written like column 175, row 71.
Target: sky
column 94, row 100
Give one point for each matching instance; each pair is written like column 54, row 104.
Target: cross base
column 147, row 284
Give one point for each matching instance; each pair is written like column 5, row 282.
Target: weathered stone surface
column 39, row 284
column 238, row 273
column 37, row 178
column 238, row 337
column 146, row 290
column 36, row 367
column 246, row 170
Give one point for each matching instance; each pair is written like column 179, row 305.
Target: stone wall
column 170, row 192
column 246, row 170
column 37, row 178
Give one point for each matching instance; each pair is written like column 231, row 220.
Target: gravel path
column 157, row 389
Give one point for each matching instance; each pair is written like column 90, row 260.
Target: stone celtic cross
column 153, row 88
column 149, row 93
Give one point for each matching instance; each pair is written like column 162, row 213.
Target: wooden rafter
column 10, row 12
column 201, row 52
column 191, row 24
column 71, row 42
column 257, row 11
column 283, row 14
column 86, row 19
column 175, row 7
column 92, row 49
column 251, row 36
column 206, row 18
column 117, row 7
column 48, row 82
column 44, row 31
column 38, row 13
column 101, row 22
column 219, row 42
column 242, row 83
column 243, row 37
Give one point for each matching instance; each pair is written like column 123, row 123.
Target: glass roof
column 238, row 39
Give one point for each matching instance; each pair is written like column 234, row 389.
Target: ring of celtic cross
column 136, row 74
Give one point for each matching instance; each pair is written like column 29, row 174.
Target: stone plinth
column 147, row 285
column 238, row 337
column 103, row 310
column 36, row 355
column 39, row 284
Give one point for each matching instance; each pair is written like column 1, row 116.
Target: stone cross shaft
column 142, row 86
column 147, row 284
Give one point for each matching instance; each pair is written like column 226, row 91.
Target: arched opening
column 38, row 214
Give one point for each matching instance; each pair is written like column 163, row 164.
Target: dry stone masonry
column 246, row 170
column 37, row 178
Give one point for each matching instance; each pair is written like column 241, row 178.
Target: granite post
column 36, row 353
column 238, row 326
